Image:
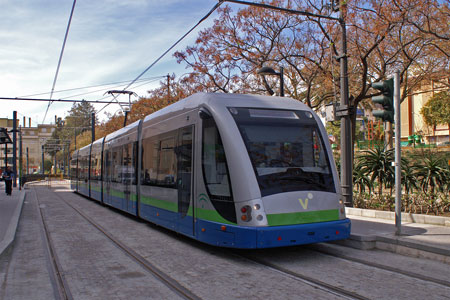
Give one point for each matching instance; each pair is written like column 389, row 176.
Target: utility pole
column 42, row 170
column 346, row 122
column 28, row 163
column 15, row 148
column 93, row 127
column 168, row 88
column 20, row 159
column 6, row 155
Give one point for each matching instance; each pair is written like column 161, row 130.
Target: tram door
column 184, row 154
column 107, row 178
column 127, row 175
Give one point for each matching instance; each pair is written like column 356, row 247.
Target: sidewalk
column 417, row 239
column 10, row 209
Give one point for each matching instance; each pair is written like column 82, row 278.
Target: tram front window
column 286, row 150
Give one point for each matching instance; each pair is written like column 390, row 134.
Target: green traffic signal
column 386, row 99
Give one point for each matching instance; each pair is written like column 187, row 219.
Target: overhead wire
column 104, row 89
column 92, row 86
column 60, row 58
column 170, row 48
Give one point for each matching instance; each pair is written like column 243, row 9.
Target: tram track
column 140, row 260
column 352, row 259
column 334, row 290
column 338, row 289
column 60, row 286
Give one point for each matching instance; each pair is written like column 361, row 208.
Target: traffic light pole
column 398, row 168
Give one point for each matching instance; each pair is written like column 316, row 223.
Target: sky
column 109, row 41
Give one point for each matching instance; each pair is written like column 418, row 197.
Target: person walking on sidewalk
column 8, row 177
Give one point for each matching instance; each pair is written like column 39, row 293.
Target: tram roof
column 226, row 99
column 122, row 131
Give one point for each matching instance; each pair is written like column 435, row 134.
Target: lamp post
column 269, row 71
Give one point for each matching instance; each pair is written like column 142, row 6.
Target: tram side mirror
column 204, row 114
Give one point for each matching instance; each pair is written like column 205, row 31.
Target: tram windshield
column 286, row 150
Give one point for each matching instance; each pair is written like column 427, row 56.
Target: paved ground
column 417, row 239
column 79, row 247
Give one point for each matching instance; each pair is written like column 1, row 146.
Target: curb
column 10, row 234
column 406, row 217
column 388, row 242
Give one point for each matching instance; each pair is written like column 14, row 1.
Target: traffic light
column 386, row 99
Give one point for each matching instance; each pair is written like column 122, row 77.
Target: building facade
column 412, row 122
column 33, row 138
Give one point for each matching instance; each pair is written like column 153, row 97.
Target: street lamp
column 269, row 71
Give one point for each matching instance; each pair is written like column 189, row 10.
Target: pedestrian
column 8, row 178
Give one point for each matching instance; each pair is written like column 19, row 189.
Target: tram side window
column 95, row 166
column 107, row 166
column 167, row 161
column 116, row 164
column 314, row 154
column 127, row 170
column 135, row 163
column 82, row 168
column 149, row 161
column 73, row 168
column 215, row 171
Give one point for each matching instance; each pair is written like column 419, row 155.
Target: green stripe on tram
column 120, row 194
column 303, row 217
column 205, row 214
column 170, row 206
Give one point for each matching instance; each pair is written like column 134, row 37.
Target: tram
column 239, row 171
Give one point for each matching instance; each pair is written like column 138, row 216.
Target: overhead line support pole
column 346, row 122
column 15, row 148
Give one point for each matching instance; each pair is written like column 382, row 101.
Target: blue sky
column 109, row 41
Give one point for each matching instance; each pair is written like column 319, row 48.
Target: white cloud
column 109, row 41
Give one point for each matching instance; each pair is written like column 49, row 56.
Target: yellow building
column 412, row 122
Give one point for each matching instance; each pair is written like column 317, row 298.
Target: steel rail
column 151, row 268
column 328, row 252
column 58, row 282
column 340, row 292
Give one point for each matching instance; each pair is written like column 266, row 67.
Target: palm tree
column 378, row 163
column 409, row 176
column 360, row 179
column 432, row 174
column 409, row 182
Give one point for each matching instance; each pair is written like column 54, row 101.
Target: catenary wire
column 170, row 48
column 60, row 58
column 92, row 86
